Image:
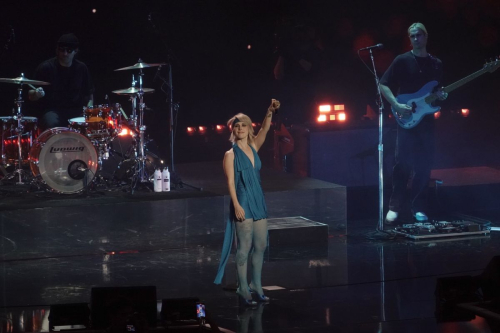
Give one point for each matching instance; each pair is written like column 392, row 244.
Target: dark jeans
column 414, row 152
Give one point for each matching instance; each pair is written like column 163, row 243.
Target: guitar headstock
column 492, row 65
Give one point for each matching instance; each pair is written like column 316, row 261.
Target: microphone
column 378, row 46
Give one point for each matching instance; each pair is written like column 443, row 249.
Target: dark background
column 216, row 76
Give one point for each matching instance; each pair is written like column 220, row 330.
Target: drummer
column 70, row 86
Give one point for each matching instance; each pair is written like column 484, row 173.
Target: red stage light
column 322, row 118
column 342, row 116
column 191, row 130
column 339, row 107
column 437, row 115
column 465, row 112
column 219, row 127
column 202, row 129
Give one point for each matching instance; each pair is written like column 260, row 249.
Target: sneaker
column 421, row 217
column 391, row 216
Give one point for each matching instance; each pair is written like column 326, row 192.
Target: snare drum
column 9, row 148
column 60, row 157
column 97, row 123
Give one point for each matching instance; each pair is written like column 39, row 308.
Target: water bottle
column 157, row 181
column 166, row 180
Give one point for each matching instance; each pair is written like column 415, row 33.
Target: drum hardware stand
column 86, row 185
column 140, row 170
column 19, row 129
column 142, row 130
column 133, row 99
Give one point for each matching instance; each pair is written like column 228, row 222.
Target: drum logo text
column 66, row 149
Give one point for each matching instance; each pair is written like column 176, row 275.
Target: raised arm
column 228, row 165
column 266, row 124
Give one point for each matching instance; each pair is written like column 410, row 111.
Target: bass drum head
column 60, row 156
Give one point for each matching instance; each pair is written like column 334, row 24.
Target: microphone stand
column 380, row 103
column 174, row 178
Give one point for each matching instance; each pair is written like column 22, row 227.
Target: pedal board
column 440, row 229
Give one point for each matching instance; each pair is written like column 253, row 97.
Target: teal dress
column 250, row 196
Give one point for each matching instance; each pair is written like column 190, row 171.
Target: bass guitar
column 421, row 101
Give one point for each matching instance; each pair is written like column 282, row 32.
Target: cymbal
column 140, row 65
column 23, row 80
column 132, row 91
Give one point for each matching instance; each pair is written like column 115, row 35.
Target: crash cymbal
column 22, row 80
column 139, row 65
column 132, row 91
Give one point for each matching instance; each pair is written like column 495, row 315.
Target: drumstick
column 124, row 114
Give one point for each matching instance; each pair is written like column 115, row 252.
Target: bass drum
column 60, row 157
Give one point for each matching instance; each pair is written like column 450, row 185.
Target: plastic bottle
column 166, row 180
column 157, row 180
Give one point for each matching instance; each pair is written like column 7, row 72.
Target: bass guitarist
column 408, row 73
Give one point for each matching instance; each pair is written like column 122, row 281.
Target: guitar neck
column 465, row 80
column 458, row 84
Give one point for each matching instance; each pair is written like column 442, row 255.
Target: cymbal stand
column 19, row 129
column 133, row 99
column 142, row 130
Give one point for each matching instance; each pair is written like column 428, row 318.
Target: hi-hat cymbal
column 139, row 65
column 133, row 91
column 23, row 80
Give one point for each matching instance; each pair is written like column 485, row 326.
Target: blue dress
column 250, row 196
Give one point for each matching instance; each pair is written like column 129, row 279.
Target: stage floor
column 357, row 286
column 351, row 284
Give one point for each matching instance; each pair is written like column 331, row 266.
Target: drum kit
column 68, row 159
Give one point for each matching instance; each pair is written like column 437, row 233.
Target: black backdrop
column 214, row 73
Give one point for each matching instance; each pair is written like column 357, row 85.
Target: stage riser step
column 289, row 231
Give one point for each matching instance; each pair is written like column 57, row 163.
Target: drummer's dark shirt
column 69, row 90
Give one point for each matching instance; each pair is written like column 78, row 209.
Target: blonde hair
column 245, row 120
column 418, row 25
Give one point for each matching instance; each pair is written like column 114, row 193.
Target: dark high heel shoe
column 260, row 298
column 247, row 302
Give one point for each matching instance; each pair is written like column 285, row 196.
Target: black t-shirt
column 408, row 73
column 69, row 90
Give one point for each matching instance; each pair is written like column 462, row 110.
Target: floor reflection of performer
column 70, row 88
column 254, row 315
column 248, row 212
column 414, row 146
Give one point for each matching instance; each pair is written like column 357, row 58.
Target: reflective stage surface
column 352, row 284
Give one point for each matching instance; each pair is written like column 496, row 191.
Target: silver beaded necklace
column 414, row 57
